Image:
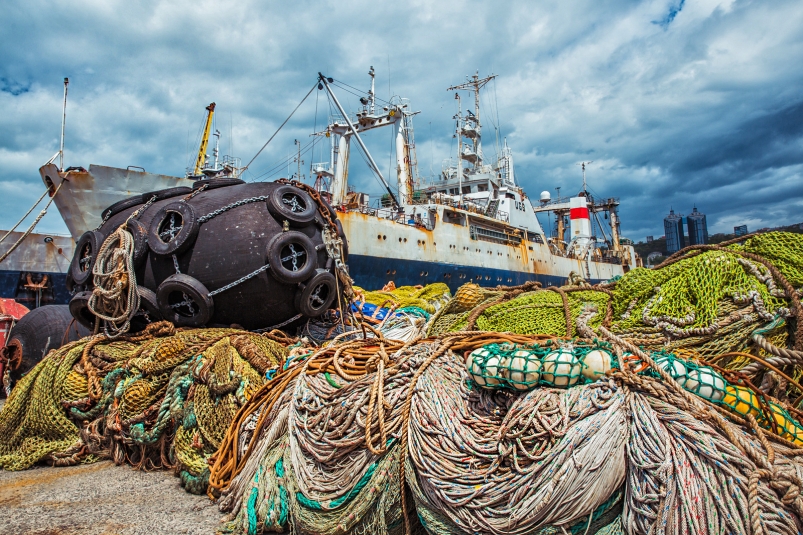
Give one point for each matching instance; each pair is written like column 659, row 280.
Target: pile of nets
column 329, row 445
column 667, row 401
column 428, row 298
column 161, row 398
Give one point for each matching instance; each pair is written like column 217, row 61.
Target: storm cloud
column 676, row 102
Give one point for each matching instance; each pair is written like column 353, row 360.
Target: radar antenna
column 583, row 166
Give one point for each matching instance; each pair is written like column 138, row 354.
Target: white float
column 524, row 370
column 706, row 383
column 474, row 365
column 597, row 362
column 561, row 368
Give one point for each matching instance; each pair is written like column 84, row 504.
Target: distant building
column 698, row 229
column 741, row 230
column 673, row 228
column 649, row 239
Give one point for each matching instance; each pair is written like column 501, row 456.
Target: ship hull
column 382, row 250
column 23, row 272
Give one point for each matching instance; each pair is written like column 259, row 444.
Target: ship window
column 482, row 187
column 466, row 189
column 510, row 196
column 453, row 191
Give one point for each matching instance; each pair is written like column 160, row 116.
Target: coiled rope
column 114, row 298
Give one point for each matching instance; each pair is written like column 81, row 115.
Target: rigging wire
column 278, row 129
column 280, row 165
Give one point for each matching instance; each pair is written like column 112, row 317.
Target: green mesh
column 523, row 367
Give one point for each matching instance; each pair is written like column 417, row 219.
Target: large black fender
column 39, row 331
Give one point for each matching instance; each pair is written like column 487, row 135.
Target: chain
column 194, row 193
column 240, row 280
column 316, row 196
column 175, row 264
column 278, row 325
column 134, row 215
column 207, row 217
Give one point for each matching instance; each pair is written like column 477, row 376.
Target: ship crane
column 201, row 159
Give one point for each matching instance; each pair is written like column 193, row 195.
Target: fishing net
column 164, row 398
column 666, row 401
column 428, row 298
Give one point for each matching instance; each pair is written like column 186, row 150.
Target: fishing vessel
column 472, row 223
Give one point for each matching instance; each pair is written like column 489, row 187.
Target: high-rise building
column 698, row 230
column 741, row 230
column 673, row 228
column 649, row 239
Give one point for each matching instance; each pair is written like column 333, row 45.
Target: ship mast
column 474, row 84
column 324, row 82
column 63, row 120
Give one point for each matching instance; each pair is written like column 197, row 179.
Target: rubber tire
column 183, row 239
column 168, row 193
column 139, row 234
column 93, row 240
column 282, row 212
column 283, row 273
column 305, row 300
column 119, row 206
column 214, row 183
column 79, row 309
column 148, row 310
column 195, row 291
column 41, row 330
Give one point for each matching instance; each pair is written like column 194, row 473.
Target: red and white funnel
column 580, row 221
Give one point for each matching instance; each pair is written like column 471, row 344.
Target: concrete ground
column 101, row 499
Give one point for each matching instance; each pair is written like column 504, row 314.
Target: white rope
column 23, row 217
column 33, row 225
column 115, row 298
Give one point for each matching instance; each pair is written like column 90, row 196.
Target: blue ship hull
column 12, row 287
column 372, row 273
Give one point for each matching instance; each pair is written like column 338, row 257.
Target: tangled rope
column 114, row 298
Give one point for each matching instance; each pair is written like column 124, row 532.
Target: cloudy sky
column 676, row 102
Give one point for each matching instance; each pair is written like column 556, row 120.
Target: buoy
column 484, row 368
column 597, row 363
column 742, row 400
column 706, row 383
column 524, row 370
column 561, row 368
column 674, row 367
